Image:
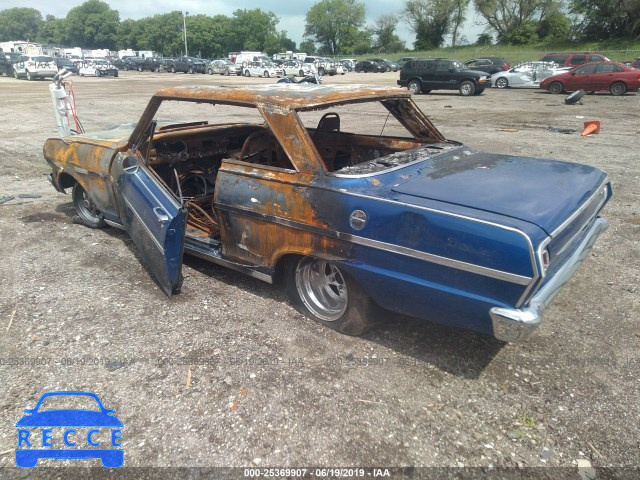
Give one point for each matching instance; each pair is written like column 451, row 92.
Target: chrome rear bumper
column 516, row 325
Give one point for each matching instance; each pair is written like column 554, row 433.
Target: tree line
column 332, row 27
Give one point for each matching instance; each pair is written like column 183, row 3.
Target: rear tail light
column 505, row 66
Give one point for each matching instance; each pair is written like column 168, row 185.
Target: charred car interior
column 186, row 156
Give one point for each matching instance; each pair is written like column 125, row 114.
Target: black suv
column 425, row 74
column 489, row 65
column 186, row 65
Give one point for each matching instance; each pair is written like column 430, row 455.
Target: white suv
column 34, row 66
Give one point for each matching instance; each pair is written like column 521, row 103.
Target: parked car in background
column 324, row 66
column 594, row 77
column 636, row 63
column 348, row 194
column 388, row 65
column 224, row 66
column 33, row 67
column 133, row 63
column 296, row 67
column 528, row 74
column 98, row 68
column 6, row 67
column 262, row 69
column 187, row 65
column 425, row 74
column 404, row 60
column 348, row 64
column 70, row 66
column 369, row 66
column 573, row 59
column 153, row 64
column 489, row 65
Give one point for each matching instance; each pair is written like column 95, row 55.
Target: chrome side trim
column 429, row 257
column 584, row 206
column 206, row 254
column 114, row 224
column 153, row 237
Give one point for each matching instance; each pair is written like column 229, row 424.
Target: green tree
column 92, row 25
column 252, row 28
column 52, row 31
column 512, row 19
column 308, row 46
column 604, row 19
column 129, row 34
column 555, row 27
column 335, row 24
column 484, row 39
column 385, row 32
column 458, row 17
column 430, row 20
column 160, row 33
column 20, row 24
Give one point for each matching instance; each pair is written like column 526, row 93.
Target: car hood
column 69, row 418
column 542, row 192
column 476, row 72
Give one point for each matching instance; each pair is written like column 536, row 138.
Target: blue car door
column 154, row 219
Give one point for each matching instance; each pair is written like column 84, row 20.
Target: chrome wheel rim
column 413, row 87
column 88, row 208
column 466, row 89
column 322, row 288
column 501, row 83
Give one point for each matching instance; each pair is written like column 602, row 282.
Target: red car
column 592, row 77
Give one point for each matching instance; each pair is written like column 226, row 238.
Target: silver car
column 528, row 74
column 224, row 67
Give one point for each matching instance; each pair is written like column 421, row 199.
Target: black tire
column 618, row 88
column 15, row 73
column 98, row 73
column 321, row 71
column 173, row 69
column 414, row 87
column 502, row 82
column 388, row 69
column 226, row 72
column 265, row 74
column 190, row 71
column 126, row 68
column 349, row 309
column 301, row 73
column 556, row 88
column 140, row 69
column 209, row 71
column 467, row 88
column 115, row 74
column 86, row 210
column 28, row 75
column 574, row 97
column 247, row 73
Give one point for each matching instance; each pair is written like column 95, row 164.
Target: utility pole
column 184, row 28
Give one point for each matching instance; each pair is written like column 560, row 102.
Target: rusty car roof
column 287, row 96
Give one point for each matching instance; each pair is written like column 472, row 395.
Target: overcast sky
column 291, row 14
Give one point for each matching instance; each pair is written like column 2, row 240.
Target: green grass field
column 620, row 50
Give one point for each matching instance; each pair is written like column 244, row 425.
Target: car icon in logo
column 32, row 446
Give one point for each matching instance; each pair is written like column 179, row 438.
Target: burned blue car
column 347, row 194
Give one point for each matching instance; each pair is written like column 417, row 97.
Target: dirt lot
column 269, row 387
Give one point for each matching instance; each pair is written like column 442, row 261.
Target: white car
column 528, row 74
column 34, row 66
column 261, row 69
column 98, row 68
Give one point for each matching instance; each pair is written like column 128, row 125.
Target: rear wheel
column 190, row 70
column 467, row 88
column 618, row 88
column 226, row 72
column 321, row 71
column 502, row 82
column 414, row 87
column 265, row 74
column 85, row 208
column 301, row 73
column 322, row 291
column 209, row 71
column 556, row 88
column 98, row 73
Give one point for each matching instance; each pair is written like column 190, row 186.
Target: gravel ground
column 228, row 374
